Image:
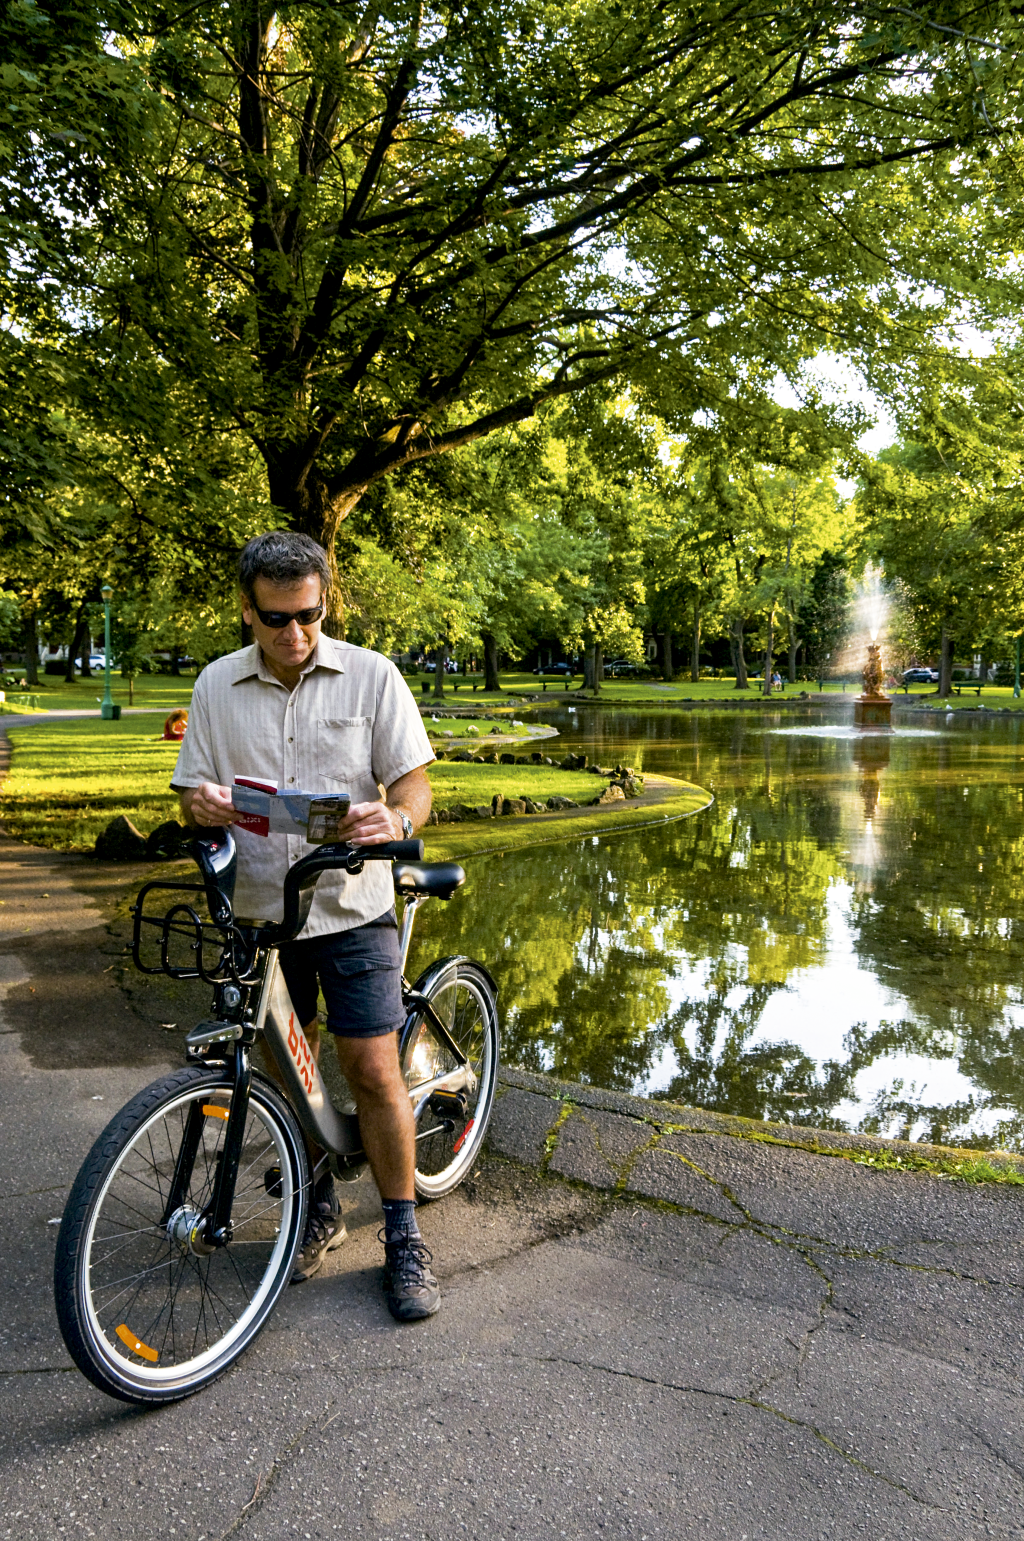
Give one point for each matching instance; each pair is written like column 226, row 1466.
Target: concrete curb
column 599, row 1137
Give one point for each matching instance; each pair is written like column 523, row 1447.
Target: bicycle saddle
column 430, row 879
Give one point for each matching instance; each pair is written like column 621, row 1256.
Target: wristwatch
column 406, row 823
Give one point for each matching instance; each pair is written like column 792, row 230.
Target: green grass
column 69, row 779
column 476, row 784
column 682, row 689
column 159, row 692
column 460, row 727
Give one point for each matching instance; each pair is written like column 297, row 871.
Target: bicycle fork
column 205, row 1232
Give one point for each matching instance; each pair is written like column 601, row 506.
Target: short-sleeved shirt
column 350, row 725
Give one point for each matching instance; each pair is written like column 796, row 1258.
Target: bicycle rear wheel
column 449, row 1132
column 146, row 1312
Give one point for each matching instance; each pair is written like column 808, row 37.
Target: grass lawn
column 69, row 779
column 161, row 692
column 475, row 784
column 478, row 728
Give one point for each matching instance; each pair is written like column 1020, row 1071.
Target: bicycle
column 184, row 1221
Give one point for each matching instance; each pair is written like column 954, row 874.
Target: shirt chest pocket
column 343, row 750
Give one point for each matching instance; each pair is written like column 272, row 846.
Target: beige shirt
column 350, row 725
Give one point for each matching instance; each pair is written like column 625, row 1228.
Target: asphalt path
column 650, row 1327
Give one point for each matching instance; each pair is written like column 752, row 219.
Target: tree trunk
column 30, row 637
column 86, row 649
column 76, row 643
column 598, row 663
column 442, row 660
column 491, row 681
column 667, row 671
column 946, row 664
column 695, row 646
column 590, row 680
column 175, row 662
column 302, row 495
column 794, row 648
column 738, row 658
column 766, row 683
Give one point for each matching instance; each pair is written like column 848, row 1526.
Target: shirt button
column 291, row 778
column 291, row 741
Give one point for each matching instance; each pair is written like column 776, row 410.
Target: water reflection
column 836, row 941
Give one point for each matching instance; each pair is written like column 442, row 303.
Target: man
column 305, row 711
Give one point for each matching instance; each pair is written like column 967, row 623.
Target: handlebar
column 214, row 852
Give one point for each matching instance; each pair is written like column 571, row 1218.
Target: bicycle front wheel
column 147, row 1313
column 450, row 1129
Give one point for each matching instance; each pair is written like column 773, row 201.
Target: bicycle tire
column 465, row 998
column 149, row 1320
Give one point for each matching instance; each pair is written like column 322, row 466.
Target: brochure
column 265, row 810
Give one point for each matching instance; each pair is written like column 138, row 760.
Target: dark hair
column 282, row 556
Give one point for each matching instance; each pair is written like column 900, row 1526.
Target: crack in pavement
column 265, row 1480
column 777, row 1234
column 46, row 1369
column 740, row 1401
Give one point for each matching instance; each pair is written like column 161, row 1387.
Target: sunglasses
column 277, row 620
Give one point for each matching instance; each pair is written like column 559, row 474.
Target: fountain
column 873, row 709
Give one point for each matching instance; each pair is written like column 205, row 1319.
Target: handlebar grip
column 391, row 850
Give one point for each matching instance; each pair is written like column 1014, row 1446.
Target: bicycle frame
column 275, row 1018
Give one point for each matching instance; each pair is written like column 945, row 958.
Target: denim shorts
column 359, row 972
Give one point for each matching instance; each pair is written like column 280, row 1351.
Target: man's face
column 290, row 646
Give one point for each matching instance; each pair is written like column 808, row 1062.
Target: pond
column 837, row 941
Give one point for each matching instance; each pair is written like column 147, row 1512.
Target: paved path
column 651, row 1326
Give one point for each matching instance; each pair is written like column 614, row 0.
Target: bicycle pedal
column 449, row 1104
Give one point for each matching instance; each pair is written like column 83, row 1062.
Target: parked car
column 556, row 668
column 920, row 676
column 620, row 667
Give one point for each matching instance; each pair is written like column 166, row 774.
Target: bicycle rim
column 158, row 1317
column 446, row 1148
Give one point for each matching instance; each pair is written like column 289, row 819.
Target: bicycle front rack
column 184, row 928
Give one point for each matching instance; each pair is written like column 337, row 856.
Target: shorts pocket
column 343, row 750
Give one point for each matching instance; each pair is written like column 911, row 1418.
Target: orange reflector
column 131, row 1341
column 214, row 1110
column 462, row 1137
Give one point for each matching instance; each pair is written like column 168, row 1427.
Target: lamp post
column 107, row 707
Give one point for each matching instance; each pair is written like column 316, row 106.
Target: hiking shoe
column 325, row 1230
column 409, row 1285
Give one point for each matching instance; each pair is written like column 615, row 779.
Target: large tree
column 372, row 234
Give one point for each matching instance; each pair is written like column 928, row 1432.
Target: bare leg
column 371, row 1067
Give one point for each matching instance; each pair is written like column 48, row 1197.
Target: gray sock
column 399, row 1219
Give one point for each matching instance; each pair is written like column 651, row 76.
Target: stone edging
column 564, row 1097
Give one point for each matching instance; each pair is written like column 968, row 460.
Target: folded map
column 264, row 810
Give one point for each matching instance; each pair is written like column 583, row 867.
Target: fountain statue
column 873, row 709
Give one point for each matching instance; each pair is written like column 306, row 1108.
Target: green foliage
column 367, row 237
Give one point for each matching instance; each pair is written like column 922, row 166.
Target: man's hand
column 208, row 805
column 371, row 824
column 376, row 823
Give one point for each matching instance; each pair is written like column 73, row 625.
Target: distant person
column 177, row 722
column 776, row 680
